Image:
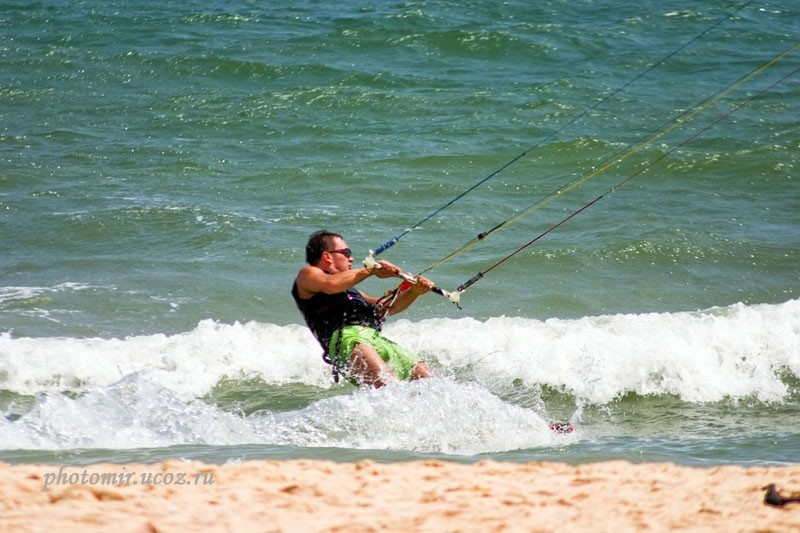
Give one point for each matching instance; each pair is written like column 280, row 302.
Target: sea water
column 164, row 163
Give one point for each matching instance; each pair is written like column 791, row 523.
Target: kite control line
column 455, row 297
column 391, row 242
column 464, row 286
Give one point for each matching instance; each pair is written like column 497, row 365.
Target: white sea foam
column 144, row 391
column 188, row 364
column 430, row 416
column 12, row 294
column 737, row 351
column 138, row 413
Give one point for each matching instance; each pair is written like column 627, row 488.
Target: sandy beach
column 305, row 495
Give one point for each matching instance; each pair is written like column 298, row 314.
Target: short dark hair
column 320, row 241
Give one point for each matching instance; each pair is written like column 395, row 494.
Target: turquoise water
column 163, row 166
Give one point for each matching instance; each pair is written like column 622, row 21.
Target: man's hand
column 385, row 270
column 422, row 286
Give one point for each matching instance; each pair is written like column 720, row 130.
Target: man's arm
column 311, row 280
column 406, row 298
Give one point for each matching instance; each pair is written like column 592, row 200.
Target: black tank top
column 326, row 313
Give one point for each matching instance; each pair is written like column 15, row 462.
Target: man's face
column 339, row 253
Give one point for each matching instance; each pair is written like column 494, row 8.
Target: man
column 347, row 322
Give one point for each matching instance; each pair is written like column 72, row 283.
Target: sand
column 430, row 496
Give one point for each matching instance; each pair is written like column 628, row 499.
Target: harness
column 328, row 314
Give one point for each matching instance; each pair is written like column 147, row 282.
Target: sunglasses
column 344, row 251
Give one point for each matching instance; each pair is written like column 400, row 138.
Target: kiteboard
column 562, row 427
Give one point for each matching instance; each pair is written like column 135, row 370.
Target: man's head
column 323, row 241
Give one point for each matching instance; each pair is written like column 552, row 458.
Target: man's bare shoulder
column 307, row 281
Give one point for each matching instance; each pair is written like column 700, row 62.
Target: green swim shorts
column 400, row 361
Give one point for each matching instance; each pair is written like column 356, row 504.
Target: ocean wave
column 739, row 351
